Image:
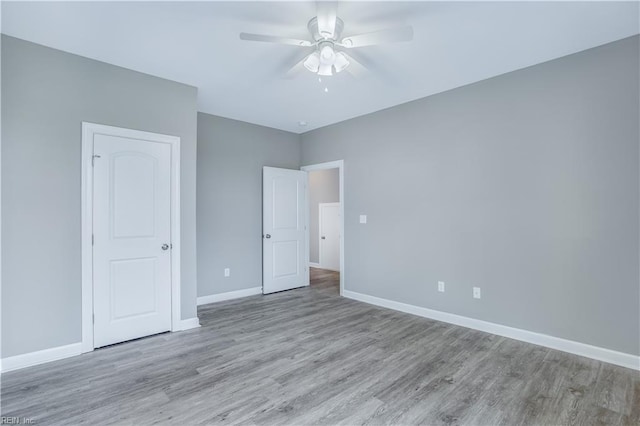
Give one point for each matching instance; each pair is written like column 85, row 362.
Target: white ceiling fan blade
column 275, row 39
column 327, row 12
column 355, row 68
column 378, row 37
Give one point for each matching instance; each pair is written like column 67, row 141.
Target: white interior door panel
column 132, row 238
column 284, row 228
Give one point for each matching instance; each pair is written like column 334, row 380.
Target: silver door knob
column 165, row 247
column 267, row 236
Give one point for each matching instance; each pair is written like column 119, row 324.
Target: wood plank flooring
column 308, row 356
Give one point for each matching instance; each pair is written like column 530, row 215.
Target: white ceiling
column 455, row 43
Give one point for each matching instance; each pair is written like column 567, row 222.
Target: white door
column 329, row 220
column 132, row 245
column 284, row 263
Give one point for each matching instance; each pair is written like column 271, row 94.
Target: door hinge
column 93, row 318
column 93, row 240
column 93, row 160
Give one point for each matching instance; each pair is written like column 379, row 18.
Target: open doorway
column 325, row 211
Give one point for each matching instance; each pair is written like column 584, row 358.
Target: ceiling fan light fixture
column 341, row 62
column 327, row 54
column 325, row 69
column 312, row 62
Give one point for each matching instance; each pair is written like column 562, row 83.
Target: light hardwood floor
column 307, row 356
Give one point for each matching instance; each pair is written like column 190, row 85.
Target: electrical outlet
column 476, row 292
column 227, row 272
column 363, row 218
column 441, row 286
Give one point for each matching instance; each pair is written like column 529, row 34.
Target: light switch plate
column 476, row 292
column 363, row 218
column 227, row 272
column 441, row 286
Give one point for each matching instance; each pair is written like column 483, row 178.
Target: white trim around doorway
column 88, row 132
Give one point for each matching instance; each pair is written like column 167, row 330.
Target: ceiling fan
column 329, row 54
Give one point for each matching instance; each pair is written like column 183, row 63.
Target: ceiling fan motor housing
column 315, row 33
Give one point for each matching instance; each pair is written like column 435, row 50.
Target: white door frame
column 88, row 132
column 338, row 164
column 320, row 205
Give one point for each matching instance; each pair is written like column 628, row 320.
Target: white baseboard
column 54, row 354
column 188, row 324
column 213, row 298
column 577, row 348
column 317, row 265
column 40, row 357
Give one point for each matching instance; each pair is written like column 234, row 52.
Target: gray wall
column 46, row 94
column 525, row 185
column 231, row 155
column 324, row 187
